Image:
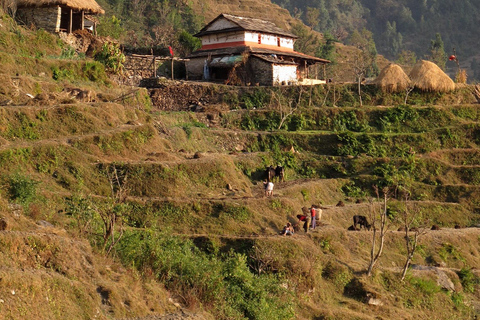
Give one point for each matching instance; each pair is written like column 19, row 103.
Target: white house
column 240, row 50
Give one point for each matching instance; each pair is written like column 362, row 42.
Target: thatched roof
column 392, row 78
column 427, row 76
column 91, row 6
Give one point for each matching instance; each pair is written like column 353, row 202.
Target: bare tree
column 407, row 91
column 364, row 58
column 285, row 106
column 378, row 215
column 111, row 212
column 411, row 224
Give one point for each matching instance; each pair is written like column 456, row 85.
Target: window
column 278, row 41
column 259, row 38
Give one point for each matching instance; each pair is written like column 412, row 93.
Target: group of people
column 308, row 218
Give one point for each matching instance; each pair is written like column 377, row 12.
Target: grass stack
column 427, row 76
column 392, row 78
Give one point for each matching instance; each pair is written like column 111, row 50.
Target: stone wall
column 261, row 72
column 137, row 68
column 47, row 18
column 195, row 68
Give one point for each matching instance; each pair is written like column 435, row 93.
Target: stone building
column 57, row 15
column 247, row 51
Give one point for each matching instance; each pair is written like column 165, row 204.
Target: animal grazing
column 352, row 228
column 278, row 172
column 361, row 221
column 86, row 96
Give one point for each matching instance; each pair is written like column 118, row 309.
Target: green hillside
column 403, row 25
column 126, row 203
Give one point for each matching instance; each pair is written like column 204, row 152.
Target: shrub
column 348, row 120
column 59, row 74
column 448, row 251
column 468, row 279
column 241, row 213
column 22, row 189
column 111, row 57
column 225, row 283
column 94, row 71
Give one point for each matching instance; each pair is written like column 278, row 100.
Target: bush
column 468, row 279
column 22, row 189
column 225, row 283
column 94, row 71
column 111, row 57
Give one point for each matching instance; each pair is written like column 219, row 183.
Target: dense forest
column 403, row 30
column 400, row 27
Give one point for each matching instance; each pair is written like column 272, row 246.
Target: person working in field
column 305, row 219
column 287, row 230
column 268, row 188
column 313, row 216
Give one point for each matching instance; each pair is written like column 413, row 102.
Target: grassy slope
column 56, row 273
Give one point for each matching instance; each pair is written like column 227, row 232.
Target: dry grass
column 393, row 79
column 50, row 276
column 427, row 76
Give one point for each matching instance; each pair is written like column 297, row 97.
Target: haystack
column 427, row 76
column 392, row 78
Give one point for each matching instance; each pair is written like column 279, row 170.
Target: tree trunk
column 360, row 91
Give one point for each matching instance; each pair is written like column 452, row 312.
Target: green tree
column 188, row 42
column 307, row 41
column 393, row 39
column 327, row 50
column 110, row 26
column 437, row 51
column 406, row 58
column 312, row 16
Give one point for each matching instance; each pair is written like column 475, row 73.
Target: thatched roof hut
column 392, row 78
column 427, row 76
column 88, row 6
column 57, row 15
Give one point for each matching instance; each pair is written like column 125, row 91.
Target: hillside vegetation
column 127, row 203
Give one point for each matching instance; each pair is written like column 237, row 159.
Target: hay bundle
column 427, row 76
column 392, row 78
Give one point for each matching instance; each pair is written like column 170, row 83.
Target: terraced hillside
column 132, row 204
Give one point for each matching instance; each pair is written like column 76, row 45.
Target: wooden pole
column 172, row 68
column 154, row 67
column 70, row 22
column 83, row 20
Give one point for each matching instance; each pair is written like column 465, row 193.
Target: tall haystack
column 427, row 76
column 392, row 78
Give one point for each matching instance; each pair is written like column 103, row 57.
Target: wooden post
column 83, row 20
column 154, row 68
column 172, row 68
column 70, row 22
